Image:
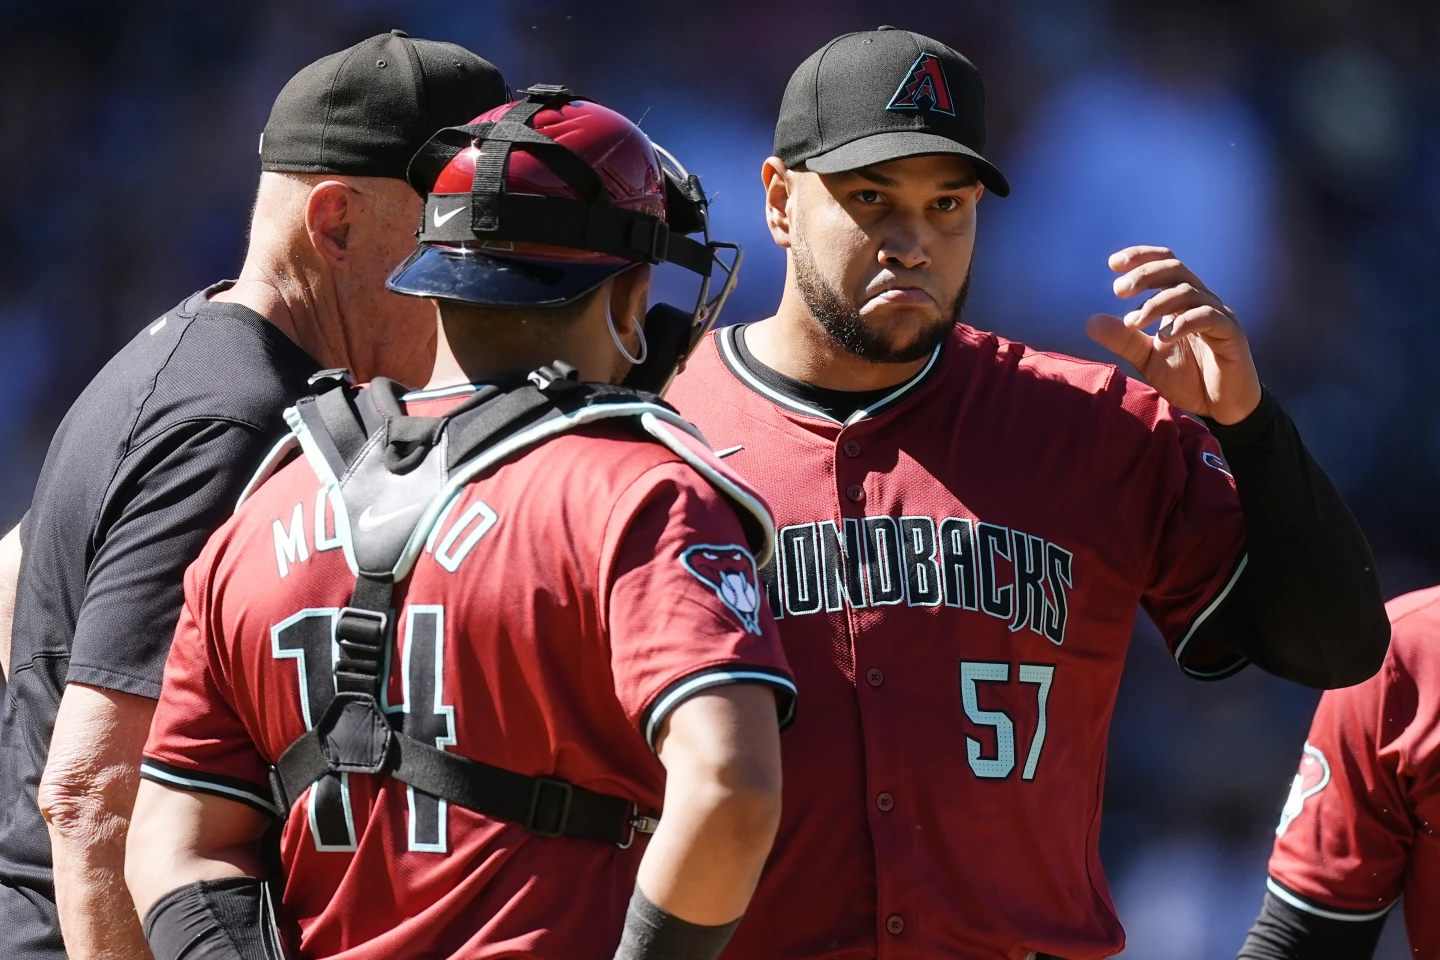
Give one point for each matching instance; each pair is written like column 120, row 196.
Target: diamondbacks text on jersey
column 956, row 578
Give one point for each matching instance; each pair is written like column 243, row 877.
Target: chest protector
column 374, row 460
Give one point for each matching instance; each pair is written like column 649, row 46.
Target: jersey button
column 885, row 802
column 895, row 924
column 855, row 492
column 874, row 676
column 851, row 448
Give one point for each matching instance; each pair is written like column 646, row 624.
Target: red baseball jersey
column 1361, row 826
column 566, row 603
column 957, row 576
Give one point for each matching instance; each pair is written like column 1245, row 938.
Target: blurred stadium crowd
column 1288, row 149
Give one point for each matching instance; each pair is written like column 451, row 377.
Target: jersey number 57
column 975, row 672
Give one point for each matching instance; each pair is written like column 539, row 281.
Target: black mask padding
column 668, row 332
column 684, row 201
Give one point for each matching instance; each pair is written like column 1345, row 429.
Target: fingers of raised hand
column 1201, row 320
column 1169, row 302
column 1128, row 259
column 1156, row 275
column 1115, row 335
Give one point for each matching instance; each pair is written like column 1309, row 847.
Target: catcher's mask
column 540, row 201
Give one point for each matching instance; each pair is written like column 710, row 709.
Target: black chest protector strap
column 388, row 466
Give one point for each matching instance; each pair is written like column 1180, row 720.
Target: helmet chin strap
column 619, row 344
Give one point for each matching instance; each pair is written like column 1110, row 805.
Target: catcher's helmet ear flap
column 540, row 201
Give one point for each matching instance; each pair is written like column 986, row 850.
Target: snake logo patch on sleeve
column 729, row 571
column 1314, row 775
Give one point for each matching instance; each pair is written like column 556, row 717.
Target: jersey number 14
column 308, row 638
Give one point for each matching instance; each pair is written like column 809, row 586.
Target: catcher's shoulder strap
column 389, row 478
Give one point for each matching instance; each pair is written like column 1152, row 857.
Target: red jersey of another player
column 566, row 602
column 957, row 576
column 1360, row 826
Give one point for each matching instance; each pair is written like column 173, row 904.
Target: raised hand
column 1198, row 359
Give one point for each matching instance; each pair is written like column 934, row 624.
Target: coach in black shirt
column 152, row 456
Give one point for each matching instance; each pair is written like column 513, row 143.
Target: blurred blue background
column 1288, row 149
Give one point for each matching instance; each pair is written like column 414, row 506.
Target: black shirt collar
column 287, row 353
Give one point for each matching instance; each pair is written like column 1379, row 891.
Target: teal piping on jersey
column 288, row 443
column 269, row 465
column 153, row 772
column 1210, row 608
column 726, row 338
column 662, row 430
column 1301, row 904
column 706, row 679
column 655, row 420
column 439, row 393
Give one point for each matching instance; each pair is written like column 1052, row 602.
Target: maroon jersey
column 1360, row 826
column 556, row 617
column 957, row 576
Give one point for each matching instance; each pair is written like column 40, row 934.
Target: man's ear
column 629, row 300
column 329, row 216
column 777, row 180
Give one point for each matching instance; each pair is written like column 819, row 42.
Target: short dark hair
column 560, row 316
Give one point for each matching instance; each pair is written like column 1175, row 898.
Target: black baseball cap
column 881, row 95
column 366, row 110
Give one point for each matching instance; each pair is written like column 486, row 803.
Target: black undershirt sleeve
column 1282, row 932
column 1308, row 607
column 230, row 919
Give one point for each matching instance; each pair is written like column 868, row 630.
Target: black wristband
column 653, row 934
column 228, row 919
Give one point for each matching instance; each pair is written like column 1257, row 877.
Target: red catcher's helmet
column 542, row 200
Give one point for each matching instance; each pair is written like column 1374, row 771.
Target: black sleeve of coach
column 1282, row 932
column 1308, row 607
column 167, row 497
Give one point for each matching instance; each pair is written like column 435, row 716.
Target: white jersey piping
column 651, row 417
column 1299, row 904
column 1210, row 608
column 730, row 353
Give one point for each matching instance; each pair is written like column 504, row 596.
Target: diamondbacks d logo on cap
column 730, row 572
column 924, row 81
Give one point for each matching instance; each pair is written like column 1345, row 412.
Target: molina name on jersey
column 565, row 603
column 957, row 575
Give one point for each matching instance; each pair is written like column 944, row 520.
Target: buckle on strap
column 560, row 817
column 636, row 823
column 656, row 246
column 545, row 92
column 362, row 636
column 362, row 628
